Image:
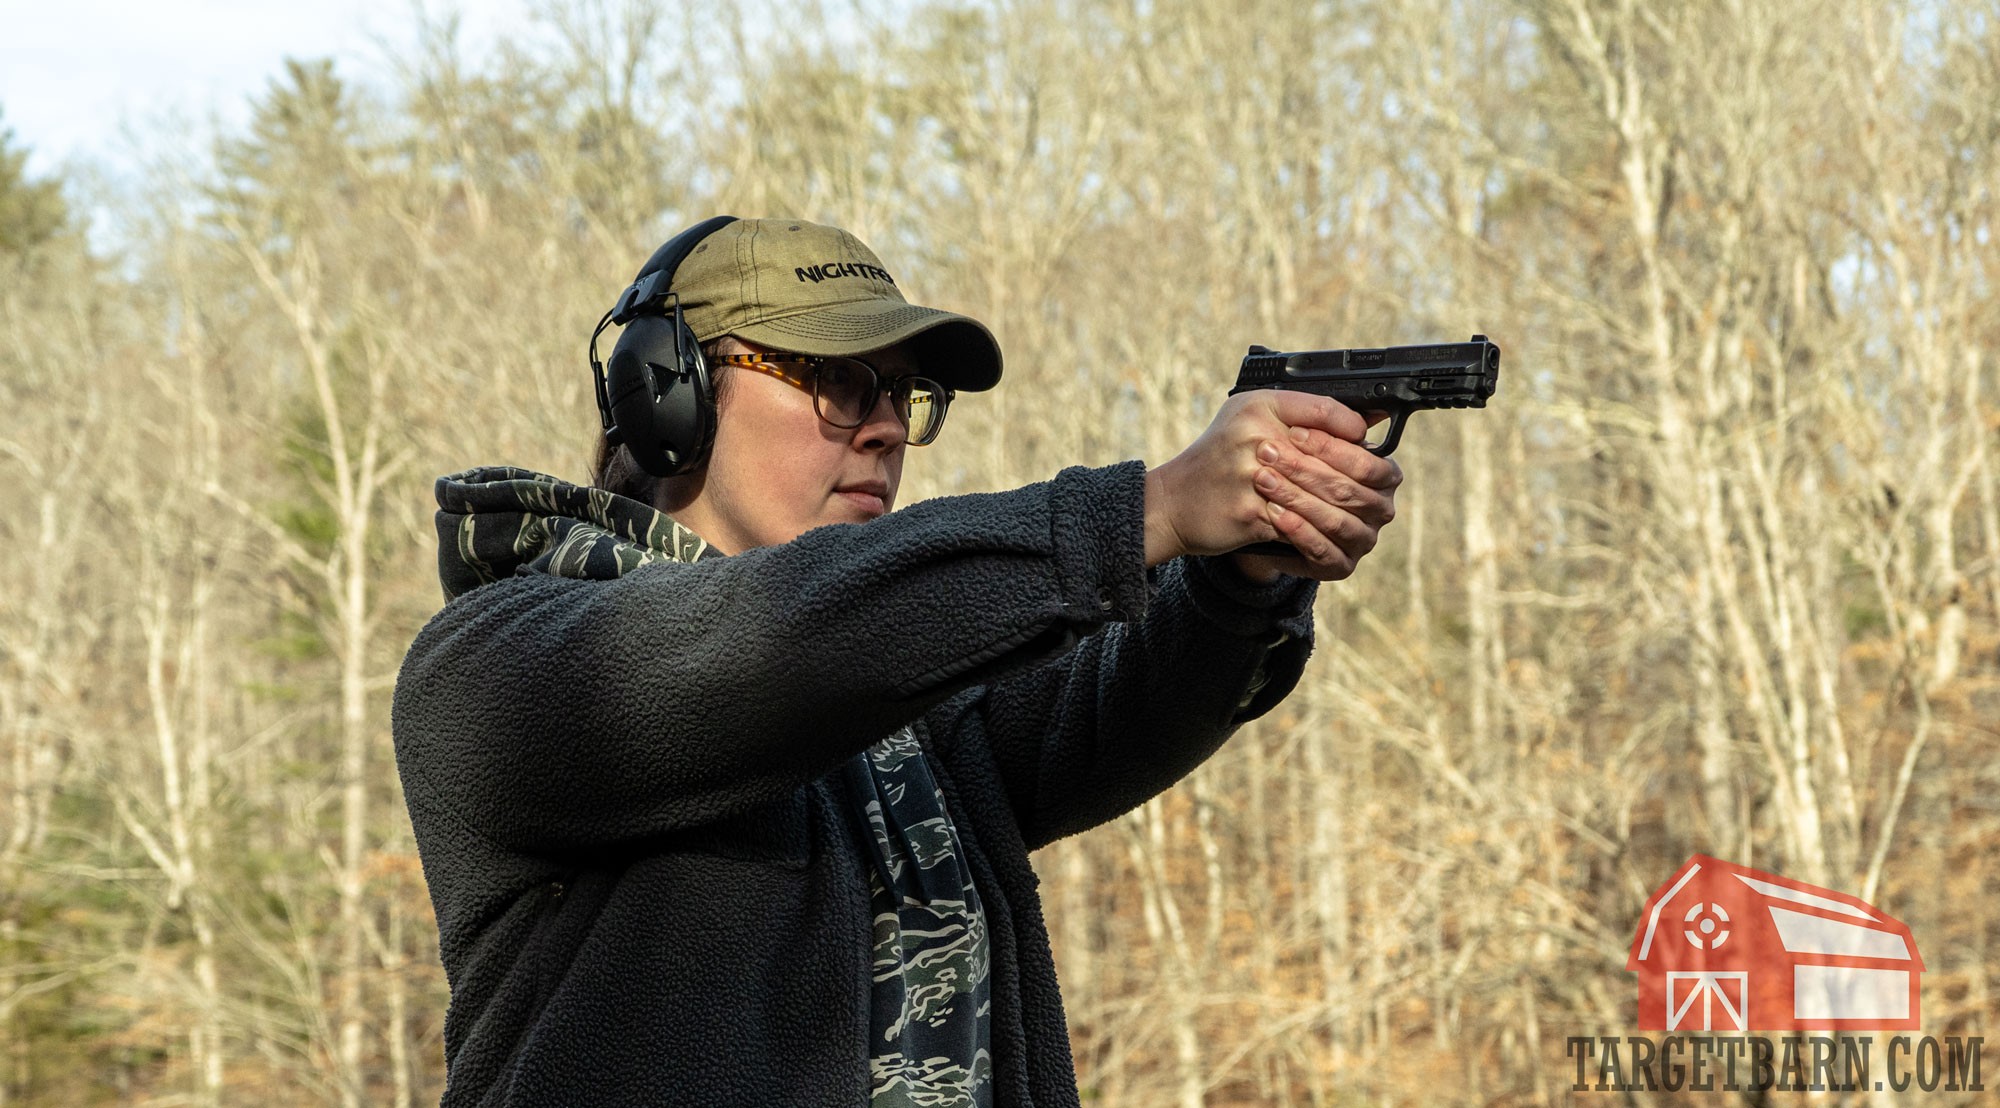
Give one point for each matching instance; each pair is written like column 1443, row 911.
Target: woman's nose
column 884, row 428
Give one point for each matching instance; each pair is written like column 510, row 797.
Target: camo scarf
column 497, row 521
column 930, row 1011
column 930, row 1007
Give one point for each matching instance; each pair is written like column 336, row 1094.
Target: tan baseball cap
column 811, row 289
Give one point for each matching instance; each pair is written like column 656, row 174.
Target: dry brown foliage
column 1719, row 571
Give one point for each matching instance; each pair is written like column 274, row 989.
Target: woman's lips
column 866, row 501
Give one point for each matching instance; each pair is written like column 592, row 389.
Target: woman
column 725, row 780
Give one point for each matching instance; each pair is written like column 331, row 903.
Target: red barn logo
column 1724, row 948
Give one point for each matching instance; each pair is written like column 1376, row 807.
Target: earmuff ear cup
column 655, row 396
column 658, row 385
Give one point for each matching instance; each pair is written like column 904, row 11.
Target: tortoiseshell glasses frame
column 844, row 390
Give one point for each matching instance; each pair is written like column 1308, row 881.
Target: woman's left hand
column 1329, row 498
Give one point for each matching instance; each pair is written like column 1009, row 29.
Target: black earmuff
column 656, row 397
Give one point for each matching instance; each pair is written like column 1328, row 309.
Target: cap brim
column 956, row 351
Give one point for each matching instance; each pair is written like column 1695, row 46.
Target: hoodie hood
column 502, row 521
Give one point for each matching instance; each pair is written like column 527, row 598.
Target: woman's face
column 776, row 470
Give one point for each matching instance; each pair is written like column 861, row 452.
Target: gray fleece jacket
column 619, row 758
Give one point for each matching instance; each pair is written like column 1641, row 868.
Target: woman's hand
column 1274, row 465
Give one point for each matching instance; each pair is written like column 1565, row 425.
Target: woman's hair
column 615, row 470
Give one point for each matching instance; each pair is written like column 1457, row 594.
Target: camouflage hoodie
column 640, row 776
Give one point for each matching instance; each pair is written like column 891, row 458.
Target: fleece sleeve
column 551, row 713
column 1084, row 737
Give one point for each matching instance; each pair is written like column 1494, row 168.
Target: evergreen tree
column 31, row 212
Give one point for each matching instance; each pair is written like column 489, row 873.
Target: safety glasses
column 844, row 390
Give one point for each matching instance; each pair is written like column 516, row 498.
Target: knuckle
column 1324, row 407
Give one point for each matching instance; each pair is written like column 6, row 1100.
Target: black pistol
column 1393, row 379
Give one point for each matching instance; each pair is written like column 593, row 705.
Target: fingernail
column 1267, row 453
column 1266, row 479
column 1300, row 435
column 1277, row 511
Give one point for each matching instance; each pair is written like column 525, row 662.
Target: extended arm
column 1089, row 735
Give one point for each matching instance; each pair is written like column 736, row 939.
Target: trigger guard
column 1397, row 419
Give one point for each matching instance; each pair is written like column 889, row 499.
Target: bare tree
column 1719, row 570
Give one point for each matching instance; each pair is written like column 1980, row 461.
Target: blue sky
column 85, row 80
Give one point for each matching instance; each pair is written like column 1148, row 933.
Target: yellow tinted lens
column 925, row 410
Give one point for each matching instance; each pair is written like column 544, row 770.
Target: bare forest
column 1719, row 570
